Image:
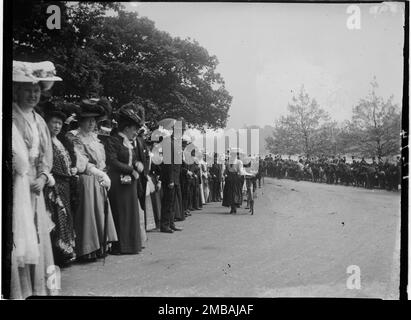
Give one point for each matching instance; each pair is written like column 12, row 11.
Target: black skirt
column 232, row 193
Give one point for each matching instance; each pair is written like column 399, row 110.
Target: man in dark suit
column 197, row 184
column 185, row 188
column 216, row 173
column 143, row 155
column 170, row 179
column 186, row 182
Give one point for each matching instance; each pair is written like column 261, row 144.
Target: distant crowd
column 381, row 174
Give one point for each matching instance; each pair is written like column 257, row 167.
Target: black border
column 404, row 153
column 155, row 301
column 6, row 150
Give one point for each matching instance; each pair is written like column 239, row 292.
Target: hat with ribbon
column 35, row 72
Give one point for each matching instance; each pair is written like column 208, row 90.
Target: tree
column 124, row 57
column 303, row 130
column 67, row 48
column 375, row 125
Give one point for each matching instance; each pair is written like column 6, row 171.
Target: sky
column 267, row 51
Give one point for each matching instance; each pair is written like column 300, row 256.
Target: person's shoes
column 85, row 259
column 167, row 230
column 176, row 229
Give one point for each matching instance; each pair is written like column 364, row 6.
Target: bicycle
column 250, row 182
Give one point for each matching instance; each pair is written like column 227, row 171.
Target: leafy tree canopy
column 124, row 57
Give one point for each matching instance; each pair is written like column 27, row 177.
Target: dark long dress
column 232, row 193
column 58, row 202
column 123, row 197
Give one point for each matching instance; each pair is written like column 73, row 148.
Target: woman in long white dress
column 32, row 256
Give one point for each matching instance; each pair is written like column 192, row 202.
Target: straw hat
column 35, row 72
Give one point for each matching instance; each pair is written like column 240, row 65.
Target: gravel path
column 299, row 242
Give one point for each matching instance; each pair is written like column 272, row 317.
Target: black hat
column 129, row 113
column 90, row 108
column 60, row 109
column 52, row 110
column 103, row 102
column 69, row 108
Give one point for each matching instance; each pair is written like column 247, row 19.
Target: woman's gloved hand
column 102, row 177
column 158, row 186
column 139, row 166
column 104, row 180
column 135, row 174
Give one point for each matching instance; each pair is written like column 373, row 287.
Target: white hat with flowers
column 35, row 72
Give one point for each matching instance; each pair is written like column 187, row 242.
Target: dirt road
column 300, row 242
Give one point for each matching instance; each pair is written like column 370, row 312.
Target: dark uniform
column 170, row 180
column 186, row 193
column 143, row 155
column 216, row 172
column 197, row 201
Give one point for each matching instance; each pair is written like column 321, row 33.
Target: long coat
column 172, row 206
column 143, row 155
column 123, row 197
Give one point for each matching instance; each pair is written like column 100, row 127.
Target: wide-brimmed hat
column 90, row 108
column 105, row 104
column 69, row 108
column 35, row 72
column 53, row 110
column 129, row 112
